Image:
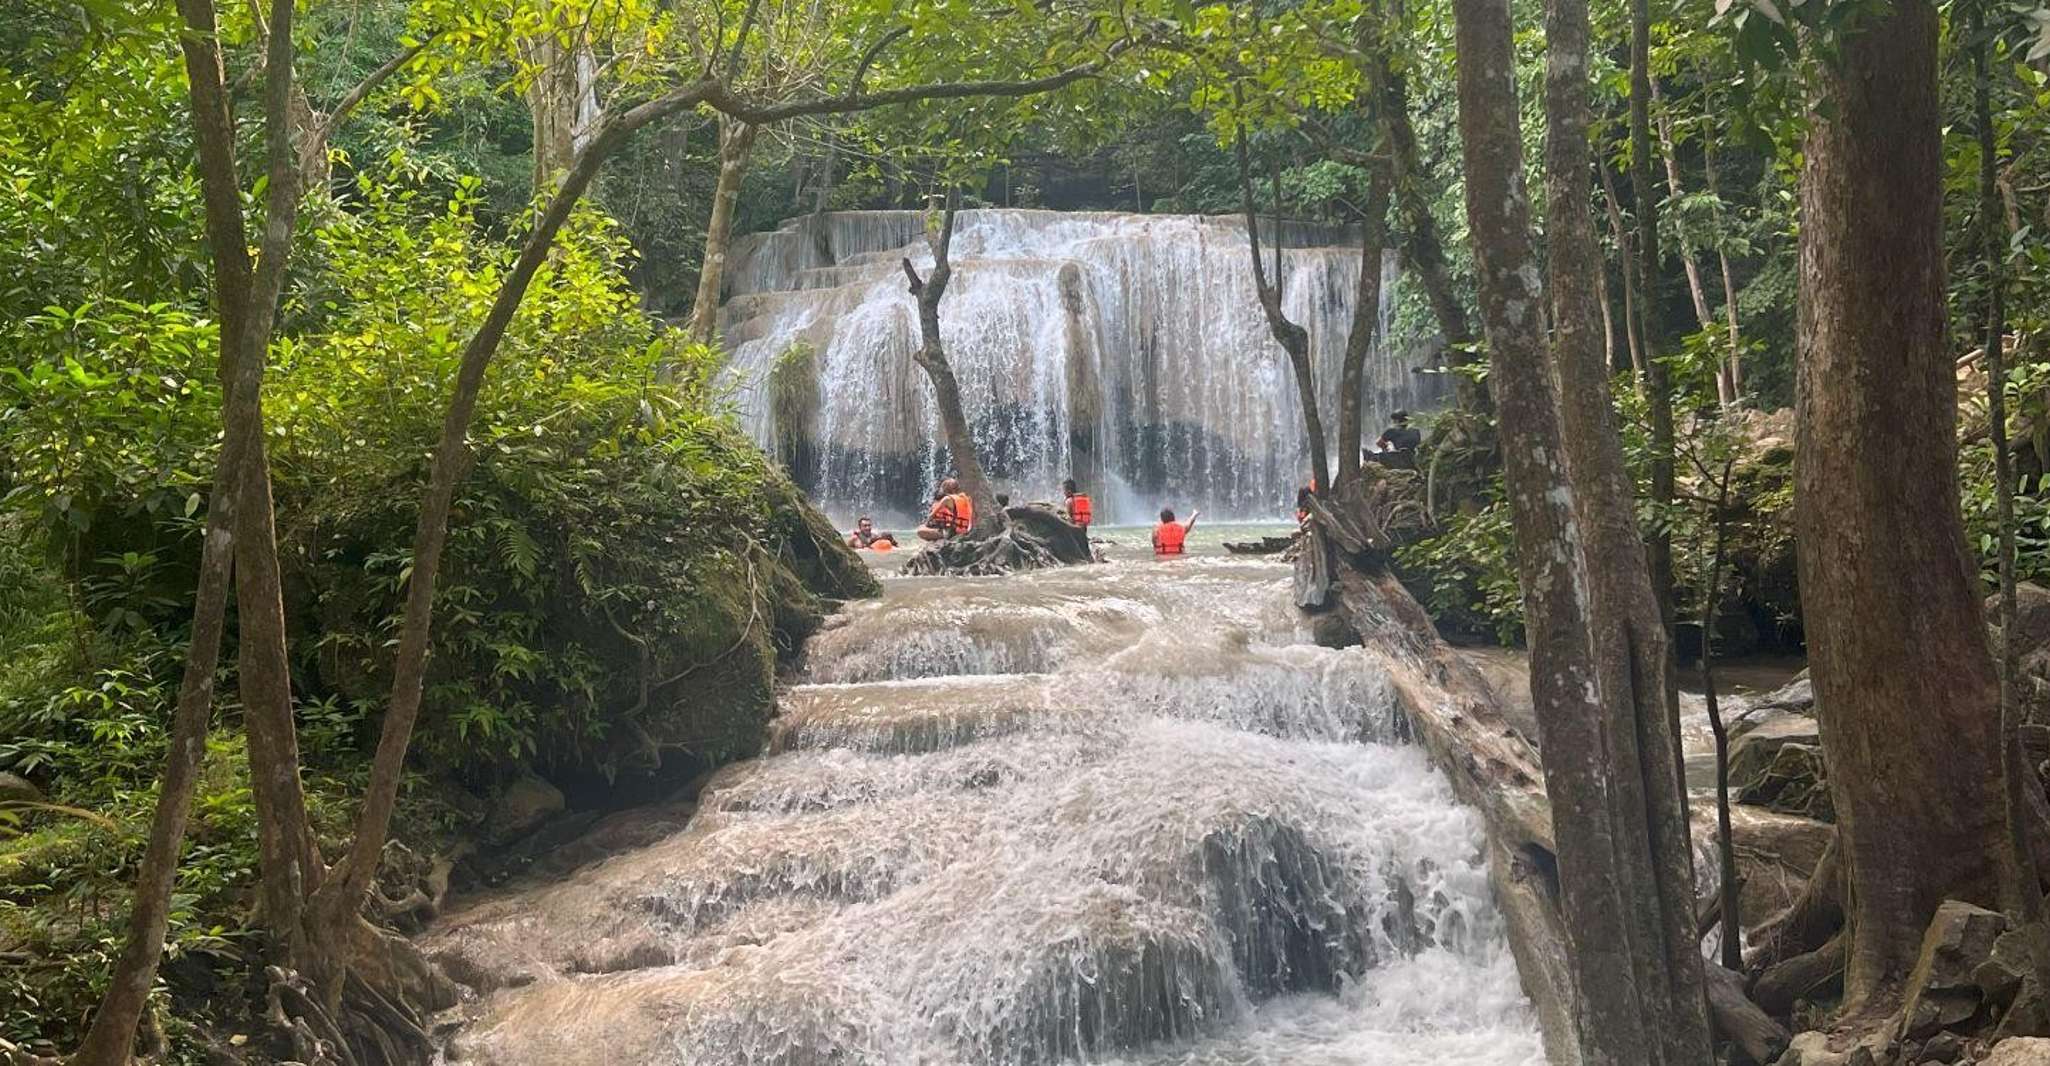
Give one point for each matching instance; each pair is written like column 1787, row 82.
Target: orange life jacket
column 953, row 515
column 1078, row 510
column 1168, row 537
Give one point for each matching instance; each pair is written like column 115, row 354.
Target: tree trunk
column 1732, row 373
column 1366, row 319
column 1904, row 684
column 1293, row 338
column 1627, row 261
column 736, row 145
column 2018, row 777
column 1651, row 310
column 1421, row 242
column 1678, row 190
column 1597, row 651
column 932, row 357
column 563, row 100
column 1727, row 889
column 1651, row 1007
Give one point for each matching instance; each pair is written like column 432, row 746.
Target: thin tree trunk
column 932, row 357
column 563, row 101
column 1366, row 319
column 736, row 145
column 1293, row 338
column 1905, row 685
column 1725, row 843
column 1627, row 869
column 1422, row 245
column 111, row 1038
column 1675, row 187
column 1733, row 371
column 1627, row 258
column 2017, row 776
column 1651, row 310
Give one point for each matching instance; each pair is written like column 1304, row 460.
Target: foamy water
column 1116, row 813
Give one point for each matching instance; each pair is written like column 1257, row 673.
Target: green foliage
column 1466, row 574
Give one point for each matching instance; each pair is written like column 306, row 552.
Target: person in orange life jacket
column 1076, row 507
column 865, row 536
column 1302, row 501
column 1170, row 536
column 953, row 513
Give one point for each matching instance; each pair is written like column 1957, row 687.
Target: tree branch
column 362, row 90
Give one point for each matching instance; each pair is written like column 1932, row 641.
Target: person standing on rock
column 1076, row 508
column 1170, row 537
column 953, row 513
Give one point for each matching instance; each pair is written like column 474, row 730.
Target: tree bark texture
column 1594, row 660
column 736, row 147
column 1643, row 836
column 1904, row 682
column 1366, row 319
column 932, row 357
column 1733, row 371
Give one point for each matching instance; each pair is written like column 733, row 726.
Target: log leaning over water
column 1456, row 717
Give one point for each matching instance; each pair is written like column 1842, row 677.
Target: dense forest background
column 624, row 570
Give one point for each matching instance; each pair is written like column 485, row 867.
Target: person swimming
column 1170, row 537
column 865, row 536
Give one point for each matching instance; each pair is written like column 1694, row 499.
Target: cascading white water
column 1128, row 350
column 1118, row 813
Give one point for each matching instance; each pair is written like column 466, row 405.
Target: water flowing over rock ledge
column 1126, row 350
column 1188, row 837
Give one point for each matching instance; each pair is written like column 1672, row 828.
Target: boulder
column 1942, row 988
column 2019, row 1051
column 1944, row 1047
column 1030, row 538
column 1812, row 1049
column 15, row 788
column 1782, row 772
column 1794, row 697
column 526, row 803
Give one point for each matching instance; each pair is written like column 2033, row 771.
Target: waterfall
column 1119, row 814
column 1127, row 350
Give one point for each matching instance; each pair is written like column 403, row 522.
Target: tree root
column 1815, row 916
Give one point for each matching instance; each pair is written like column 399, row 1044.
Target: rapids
column 1120, row 813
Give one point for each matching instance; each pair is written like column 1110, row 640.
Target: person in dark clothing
column 1400, row 436
column 1398, row 444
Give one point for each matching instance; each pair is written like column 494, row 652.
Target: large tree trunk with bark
column 1366, row 319
column 932, row 358
column 736, row 146
column 1598, row 652
column 1904, row 685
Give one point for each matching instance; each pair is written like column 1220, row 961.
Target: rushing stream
column 1120, row 813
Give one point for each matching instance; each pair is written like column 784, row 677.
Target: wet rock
column 1776, row 853
column 1942, row 991
column 1944, row 1048
column 2019, row 1051
column 1332, row 629
column 1794, row 697
column 18, row 789
column 521, row 808
column 1032, row 537
column 1812, row 1049
column 1784, row 775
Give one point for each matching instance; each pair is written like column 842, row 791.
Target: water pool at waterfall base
column 1119, row 813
